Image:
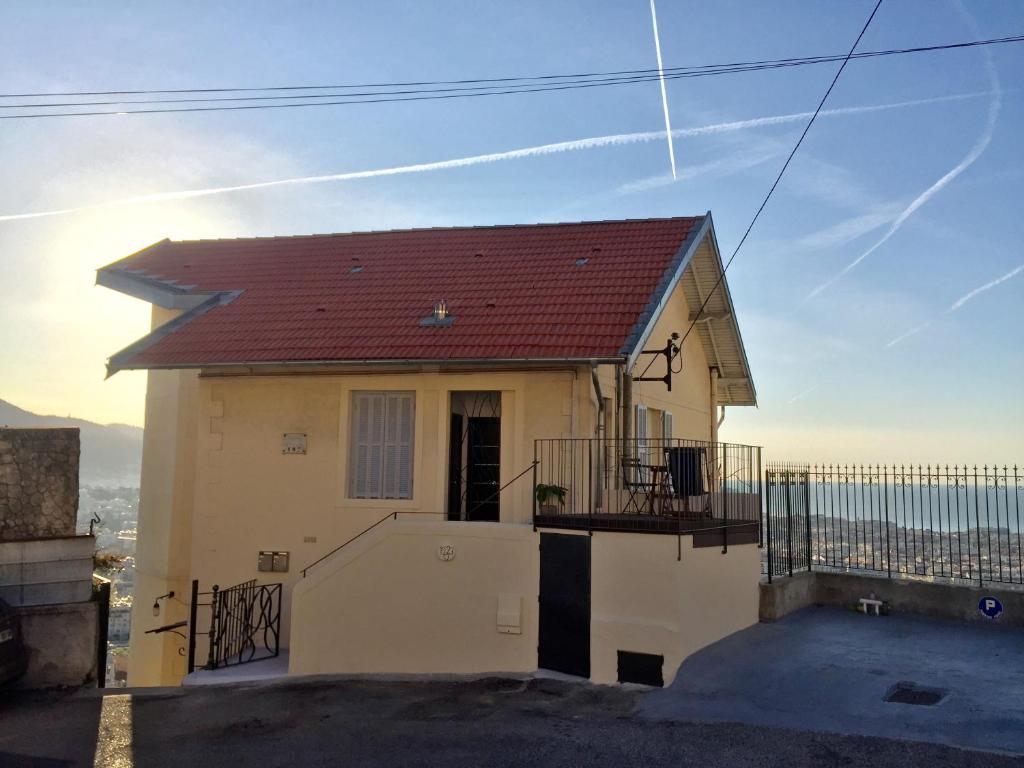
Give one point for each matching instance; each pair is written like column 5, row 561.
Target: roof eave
column 120, row 361
column 407, row 362
column 732, row 314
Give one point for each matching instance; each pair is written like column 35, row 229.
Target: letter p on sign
column 990, row 607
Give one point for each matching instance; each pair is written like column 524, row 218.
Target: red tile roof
column 516, row 293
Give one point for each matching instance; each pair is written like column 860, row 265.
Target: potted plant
column 546, row 494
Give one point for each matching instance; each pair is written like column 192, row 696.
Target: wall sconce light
column 156, row 603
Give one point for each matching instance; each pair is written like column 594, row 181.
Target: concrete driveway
column 822, row 670
column 826, row 669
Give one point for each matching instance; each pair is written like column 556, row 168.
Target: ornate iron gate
column 245, row 623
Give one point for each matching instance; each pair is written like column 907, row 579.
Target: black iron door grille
column 564, row 631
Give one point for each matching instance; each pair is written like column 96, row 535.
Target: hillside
column 111, row 453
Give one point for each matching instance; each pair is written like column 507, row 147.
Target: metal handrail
column 388, row 516
column 497, row 493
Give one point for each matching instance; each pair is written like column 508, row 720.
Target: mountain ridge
column 111, row 453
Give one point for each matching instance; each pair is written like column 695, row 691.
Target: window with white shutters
column 382, row 445
column 666, row 426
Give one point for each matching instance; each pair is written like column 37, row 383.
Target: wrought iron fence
column 954, row 523
column 245, row 624
column 646, row 485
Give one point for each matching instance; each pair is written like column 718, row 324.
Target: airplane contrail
column 664, row 95
column 595, row 142
column 975, row 152
column 981, row 289
column 959, row 303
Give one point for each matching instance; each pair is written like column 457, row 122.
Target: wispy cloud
column 732, row 163
column 995, row 104
column 846, row 230
column 802, row 395
column 959, row 303
column 596, row 142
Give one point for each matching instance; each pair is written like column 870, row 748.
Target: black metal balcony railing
column 649, row 486
column 938, row 523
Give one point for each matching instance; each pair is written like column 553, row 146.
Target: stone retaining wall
column 38, row 483
column 843, row 590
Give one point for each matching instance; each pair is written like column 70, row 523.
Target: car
column 13, row 652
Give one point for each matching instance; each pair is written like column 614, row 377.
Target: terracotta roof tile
column 524, row 297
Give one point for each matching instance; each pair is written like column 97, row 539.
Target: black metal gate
column 787, row 534
column 245, row 624
column 564, row 631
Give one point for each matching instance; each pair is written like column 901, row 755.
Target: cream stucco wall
column 250, row 497
column 389, row 603
column 163, row 558
column 646, row 600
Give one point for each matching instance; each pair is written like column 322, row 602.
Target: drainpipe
column 627, row 411
column 600, row 401
column 618, row 403
column 601, row 432
column 712, row 411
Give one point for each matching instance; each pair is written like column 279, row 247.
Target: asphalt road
column 491, row 722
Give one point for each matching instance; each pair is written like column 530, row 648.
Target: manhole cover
column 910, row 693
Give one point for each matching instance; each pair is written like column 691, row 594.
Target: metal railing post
column 533, row 491
column 807, row 515
column 789, row 520
column 888, row 546
column 192, row 612
column 211, row 656
column 590, row 487
column 977, row 524
column 769, row 530
column 725, row 497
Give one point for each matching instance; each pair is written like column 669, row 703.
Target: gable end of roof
column 644, row 326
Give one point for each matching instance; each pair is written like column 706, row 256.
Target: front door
column 564, row 631
column 483, row 468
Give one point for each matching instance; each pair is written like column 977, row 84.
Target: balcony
column 711, row 491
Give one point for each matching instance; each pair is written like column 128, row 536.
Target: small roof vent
column 439, row 317
column 581, row 261
column 355, row 269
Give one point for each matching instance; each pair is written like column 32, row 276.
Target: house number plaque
column 446, row 552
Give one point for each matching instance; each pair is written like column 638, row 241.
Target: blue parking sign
column 990, row 606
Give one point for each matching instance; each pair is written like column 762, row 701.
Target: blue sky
column 829, row 386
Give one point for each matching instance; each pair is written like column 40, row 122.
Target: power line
column 460, row 88
column 778, row 179
column 695, row 68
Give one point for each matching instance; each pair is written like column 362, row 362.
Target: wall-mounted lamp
column 156, row 603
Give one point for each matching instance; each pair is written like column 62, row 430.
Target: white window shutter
column 641, row 433
column 666, row 427
column 367, row 444
column 382, row 445
column 403, row 420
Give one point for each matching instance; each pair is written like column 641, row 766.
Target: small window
column 381, row 443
